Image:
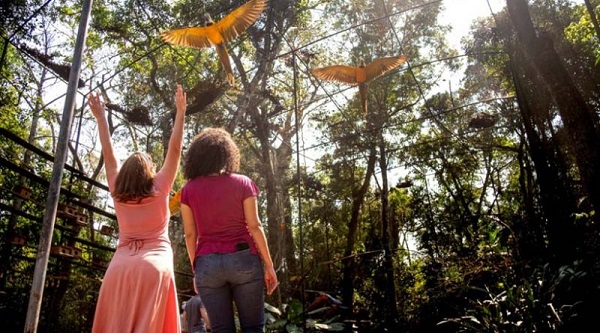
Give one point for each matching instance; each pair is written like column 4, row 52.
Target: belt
column 134, row 246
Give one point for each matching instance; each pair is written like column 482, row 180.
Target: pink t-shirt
column 217, row 204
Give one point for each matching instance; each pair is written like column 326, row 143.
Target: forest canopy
column 463, row 200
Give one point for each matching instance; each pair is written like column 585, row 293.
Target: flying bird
column 217, row 34
column 361, row 75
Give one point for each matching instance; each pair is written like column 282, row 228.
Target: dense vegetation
column 451, row 206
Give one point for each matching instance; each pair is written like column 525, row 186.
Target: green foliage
column 473, row 203
column 290, row 319
column 583, row 34
column 535, row 304
column 11, row 115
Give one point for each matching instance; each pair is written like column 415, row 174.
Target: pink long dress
column 138, row 292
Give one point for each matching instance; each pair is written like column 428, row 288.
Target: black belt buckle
column 241, row 246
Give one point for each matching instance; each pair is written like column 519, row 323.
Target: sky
column 460, row 14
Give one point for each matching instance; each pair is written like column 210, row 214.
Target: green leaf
column 272, row 309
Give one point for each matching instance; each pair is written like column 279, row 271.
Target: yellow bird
column 360, row 75
column 175, row 203
column 219, row 33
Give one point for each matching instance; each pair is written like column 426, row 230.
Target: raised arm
column 110, row 162
column 169, row 168
column 256, row 230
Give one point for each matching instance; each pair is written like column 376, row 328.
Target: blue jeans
column 195, row 323
column 225, row 278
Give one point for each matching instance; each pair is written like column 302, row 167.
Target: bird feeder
column 404, row 184
column 79, row 219
column 17, row 239
column 482, row 120
column 71, row 215
column 23, row 192
column 64, row 251
column 107, row 230
column 99, row 262
column 66, row 211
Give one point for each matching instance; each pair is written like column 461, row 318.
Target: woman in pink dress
column 138, row 292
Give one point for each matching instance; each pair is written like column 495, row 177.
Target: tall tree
column 579, row 121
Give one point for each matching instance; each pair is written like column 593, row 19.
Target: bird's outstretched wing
column 192, row 37
column 382, row 65
column 361, row 75
column 236, row 22
column 339, row 73
column 223, row 31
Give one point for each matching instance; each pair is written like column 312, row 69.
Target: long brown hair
column 135, row 180
column 212, row 151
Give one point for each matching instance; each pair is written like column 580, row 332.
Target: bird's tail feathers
column 224, row 57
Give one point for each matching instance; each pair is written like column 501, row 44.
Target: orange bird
column 219, row 33
column 360, row 75
column 175, row 203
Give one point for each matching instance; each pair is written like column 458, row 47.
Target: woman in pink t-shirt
column 138, row 291
column 223, row 234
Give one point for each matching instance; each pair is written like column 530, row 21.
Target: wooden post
column 41, row 262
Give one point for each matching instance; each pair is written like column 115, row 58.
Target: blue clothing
column 195, row 322
column 226, row 278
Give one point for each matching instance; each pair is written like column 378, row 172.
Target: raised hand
column 180, row 100
column 96, row 105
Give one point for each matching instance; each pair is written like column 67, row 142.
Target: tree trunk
column 349, row 264
column 391, row 315
column 275, row 216
column 577, row 117
column 556, row 196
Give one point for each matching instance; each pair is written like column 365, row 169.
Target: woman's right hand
column 96, row 105
column 270, row 280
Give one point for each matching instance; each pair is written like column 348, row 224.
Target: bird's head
column 207, row 19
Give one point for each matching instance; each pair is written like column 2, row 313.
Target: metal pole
column 299, row 182
column 41, row 262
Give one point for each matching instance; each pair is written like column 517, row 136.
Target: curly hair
column 135, row 180
column 213, row 151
